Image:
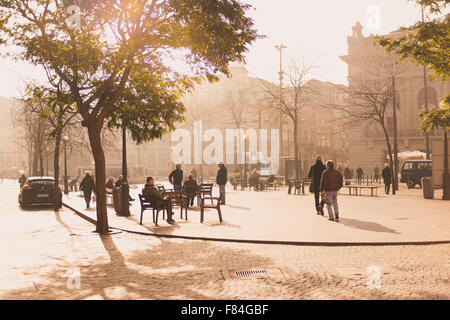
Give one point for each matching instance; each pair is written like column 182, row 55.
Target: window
column 409, row 165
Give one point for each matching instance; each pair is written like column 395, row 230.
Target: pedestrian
column 158, row 201
column 22, row 180
column 88, row 186
column 73, row 184
column 387, row 177
column 221, row 180
column 194, row 173
column 315, row 174
column 347, row 175
column 330, row 184
column 376, row 174
column 110, row 183
column 176, row 178
column 119, row 182
column 359, row 174
column 190, row 182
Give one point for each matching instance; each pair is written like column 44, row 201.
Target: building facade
column 367, row 146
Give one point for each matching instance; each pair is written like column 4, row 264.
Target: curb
column 271, row 242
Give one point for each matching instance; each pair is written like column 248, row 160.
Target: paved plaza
column 276, row 216
column 48, row 255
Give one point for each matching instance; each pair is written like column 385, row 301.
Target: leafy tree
column 425, row 43
column 439, row 118
column 59, row 115
column 109, row 49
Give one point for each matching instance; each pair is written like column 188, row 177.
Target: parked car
column 414, row 170
column 39, row 191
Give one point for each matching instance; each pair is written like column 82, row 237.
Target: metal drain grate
column 253, row 273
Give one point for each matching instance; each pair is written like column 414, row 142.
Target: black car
column 39, row 191
column 414, row 170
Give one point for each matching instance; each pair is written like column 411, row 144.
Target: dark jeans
column 387, row 187
column 167, row 204
column 177, row 187
column 318, row 201
column 87, row 197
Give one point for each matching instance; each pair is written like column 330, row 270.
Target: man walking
column 387, row 177
column 315, row 173
column 88, row 186
column 330, row 184
column 376, row 174
column 176, row 178
column 359, row 174
column 221, row 180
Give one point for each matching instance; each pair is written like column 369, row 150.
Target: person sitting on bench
column 161, row 202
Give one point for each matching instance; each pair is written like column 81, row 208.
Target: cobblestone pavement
column 42, row 253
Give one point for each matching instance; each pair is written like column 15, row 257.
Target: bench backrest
column 190, row 191
column 206, row 188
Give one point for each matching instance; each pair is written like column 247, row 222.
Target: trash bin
column 427, row 187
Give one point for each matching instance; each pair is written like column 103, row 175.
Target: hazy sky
column 315, row 29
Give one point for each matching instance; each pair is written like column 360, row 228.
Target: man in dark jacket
column 151, row 193
column 221, row 180
column 330, row 184
column 190, row 182
column 387, row 177
column 315, row 173
column 359, row 174
column 88, row 186
column 347, row 174
column 176, row 178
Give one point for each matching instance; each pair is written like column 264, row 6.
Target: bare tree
column 33, row 133
column 292, row 100
column 366, row 104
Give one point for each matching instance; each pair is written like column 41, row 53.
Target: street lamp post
column 244, row 180
column 66, row 181
column 125, row 189
column 280, row 49
column 427, row 137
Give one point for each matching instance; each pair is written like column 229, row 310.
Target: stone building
column 240, row 102
column 367, row 146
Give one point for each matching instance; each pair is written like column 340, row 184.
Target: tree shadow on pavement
column 169, row 270
column 366, row 225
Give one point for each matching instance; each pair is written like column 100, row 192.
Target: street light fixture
column 244, row 182
column 65, row 139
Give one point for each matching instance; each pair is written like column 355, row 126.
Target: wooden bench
column 147, row 205
column 359, row 187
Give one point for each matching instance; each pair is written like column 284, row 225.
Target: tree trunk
column 391, row 159
column 100, row 178
column 41, row 163
column 56, row 168
column 35, row 161
column 446, row 175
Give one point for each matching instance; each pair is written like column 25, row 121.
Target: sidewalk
column 277, row 216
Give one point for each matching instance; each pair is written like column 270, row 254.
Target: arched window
column 431, row 98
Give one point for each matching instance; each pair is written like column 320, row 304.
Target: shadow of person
column 366, row 225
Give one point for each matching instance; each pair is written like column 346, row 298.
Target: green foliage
column 103, row 60
column 437, row 118
column 425, row 42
